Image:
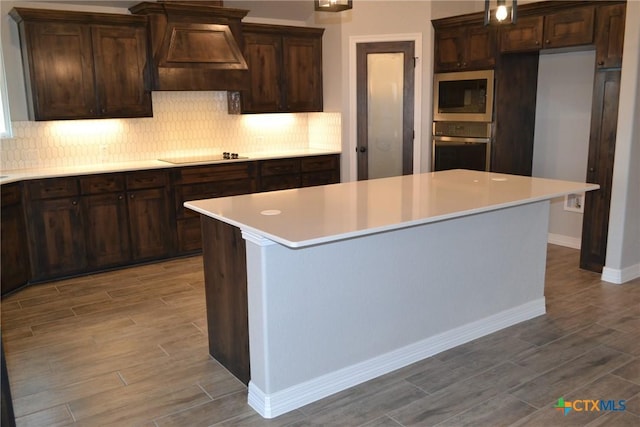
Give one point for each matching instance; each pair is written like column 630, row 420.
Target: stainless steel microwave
column 465, row 96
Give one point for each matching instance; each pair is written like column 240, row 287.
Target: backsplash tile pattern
column 184, row 124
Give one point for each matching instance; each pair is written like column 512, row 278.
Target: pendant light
column 333, row 5
column 502, row 14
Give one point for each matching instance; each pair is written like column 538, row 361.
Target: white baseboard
column 562, row 240
column 280, row 402
column 619, row 276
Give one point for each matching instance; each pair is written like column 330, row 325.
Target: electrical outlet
column 574, row 202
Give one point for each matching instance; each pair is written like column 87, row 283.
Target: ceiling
column 294, row 10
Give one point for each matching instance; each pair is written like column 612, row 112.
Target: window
column 5, row 123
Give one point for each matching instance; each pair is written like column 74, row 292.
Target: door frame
column 353, row 104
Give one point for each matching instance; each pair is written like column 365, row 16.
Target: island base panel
column 327, row 317
column 225, row 275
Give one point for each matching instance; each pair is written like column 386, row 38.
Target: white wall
column 370, row 18
column 561, row 141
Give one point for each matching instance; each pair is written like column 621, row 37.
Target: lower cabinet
column 103, row 221
column 78, row 225
column 55, row 227
column 320, row 170
column 281, row 174
column 14, row 250
column 106, row 228
column 205, row 182
column 150, row 214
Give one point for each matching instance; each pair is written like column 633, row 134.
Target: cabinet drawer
column 210, row 190
column 10, row 194
column 146, row 179
column 52, row 187
column 198, row 174
column 96, row 184
column 280, row 182
column 319, row 163
column 279, row 167
column 320, row 178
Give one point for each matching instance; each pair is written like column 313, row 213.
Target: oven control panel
column 462, row 129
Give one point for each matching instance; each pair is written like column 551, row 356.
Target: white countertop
column 8, row 176
column 315, row 215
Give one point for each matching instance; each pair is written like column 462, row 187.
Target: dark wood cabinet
column 282, row 174
column 92, row 222
column 285, row 69
column 610, row 36
column 78, row 225
column 320, row 170
column 600, row 161
column 563, row 28
column 205, row 182
column 55, row 228
column 467, row 47
column 105, row 210
column 571, row 27
column 515, row 111
column 79, row 65
column 525, row 35
column 120, row 58
column 150, row 214
column 279, row 174
column 14, row 250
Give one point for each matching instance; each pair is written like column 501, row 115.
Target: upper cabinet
column 285, row 69
column 565, row 28
column 73, row 64
column 525, row 35
column 572, row 27
column 610, row 35
column 460, row 48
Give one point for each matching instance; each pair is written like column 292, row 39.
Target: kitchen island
column 339, row 284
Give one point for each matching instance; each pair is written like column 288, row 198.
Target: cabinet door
column 302, row 63
column 149, row 223
column 120, row 69
column 60, row 70
column 525, row 35
column 14, row 253
column 610, row 36
column 571, row 27
column 480, row 48
column 602, row 144
column 449, row 49
column 263, row 53
column 58, row 241
column 106, row 229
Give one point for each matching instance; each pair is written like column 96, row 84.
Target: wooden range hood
column 195, row 45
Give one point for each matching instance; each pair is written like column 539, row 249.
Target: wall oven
column 461, row 145
column 463, row 115
column 463, row 96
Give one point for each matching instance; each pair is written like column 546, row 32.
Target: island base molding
column 281, row 402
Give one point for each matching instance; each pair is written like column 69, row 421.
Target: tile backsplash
column 183, row 124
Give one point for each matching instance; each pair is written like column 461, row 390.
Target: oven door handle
column 443, row 140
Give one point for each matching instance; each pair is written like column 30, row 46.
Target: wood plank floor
column 129, row 348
